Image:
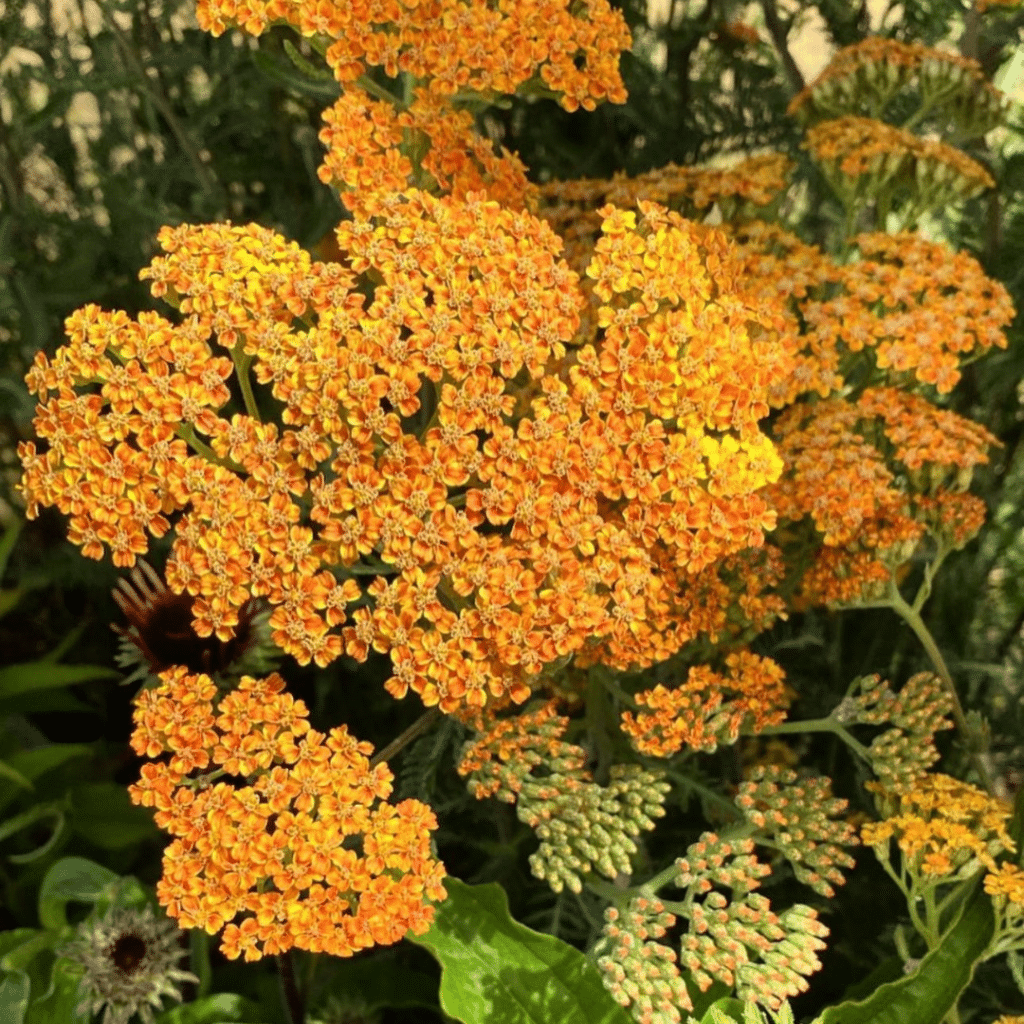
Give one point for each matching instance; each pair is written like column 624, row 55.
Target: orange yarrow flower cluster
column 623, row 471
column 710, row 708
column 873, row 477
column 450, row 52
column 304, row 849
column 454, row 45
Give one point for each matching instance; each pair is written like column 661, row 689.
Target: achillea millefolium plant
column 533, row 443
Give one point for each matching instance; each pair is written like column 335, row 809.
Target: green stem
column 819, row 725
column 367, row 84
column 242, row 363
column 913, row 619
column 598, row 716
column 187, row 433
column 705, row 793
column 420, row 726
column 290, row 995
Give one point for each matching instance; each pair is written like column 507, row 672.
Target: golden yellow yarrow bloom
column 945, row 829
column 1006, row 881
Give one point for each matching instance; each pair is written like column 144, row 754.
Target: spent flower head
column 130, row 958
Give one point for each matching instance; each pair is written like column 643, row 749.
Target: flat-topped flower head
column 301, row 847
column 945, row 829
column 453, row 45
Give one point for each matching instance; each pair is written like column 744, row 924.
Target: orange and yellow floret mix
column 945, row 829
column 606, row 476
column 283, row 836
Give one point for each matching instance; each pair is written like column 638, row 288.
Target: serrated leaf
column 222, row 1008
column 497, row 971
column 725, row 1011
column 71, row 879
column 926, row 996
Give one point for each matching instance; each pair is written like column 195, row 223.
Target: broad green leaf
column 222, row 1008
column 105, row 815
column 71, row 879
column 34, row 763
column 926, row 996
column 43, row 675
column 497, row 971
column 60, row 1001
column 14, row 993
column 18, row 948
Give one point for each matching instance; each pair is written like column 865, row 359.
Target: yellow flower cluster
column 945, row 829
column 710, row 707
column 1007, row 882
column 741, row 191
column 306, row 852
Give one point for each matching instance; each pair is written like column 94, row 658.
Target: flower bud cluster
column 740, row 941
column 582, row 826
column 865, row 77
column 799, row 817
column 642, row 974
column 861, row 156
column 903, row 753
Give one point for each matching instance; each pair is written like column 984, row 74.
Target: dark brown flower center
column 127, row 952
